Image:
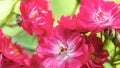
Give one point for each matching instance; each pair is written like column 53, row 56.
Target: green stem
column 105, row 43
column 114, row 40
column 11, row 25
column 113, row 58
column 101, row 35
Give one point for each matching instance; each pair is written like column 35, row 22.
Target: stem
column 105, row 42
column 117, row 63
column 101, row 35
column 114, row 40
column 11, row 25
column 112, row 60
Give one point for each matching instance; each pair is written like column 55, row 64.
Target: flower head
column 11, row 54
column 98, row 15
column 94, row 16
column 63, row 49
column 36, row 17
column 97, row 56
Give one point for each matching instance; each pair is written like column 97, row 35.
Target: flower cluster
column 73, row 43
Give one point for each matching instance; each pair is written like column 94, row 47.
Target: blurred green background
column 9, row 9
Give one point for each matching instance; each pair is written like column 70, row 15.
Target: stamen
column 33, row 14
column 101, row 17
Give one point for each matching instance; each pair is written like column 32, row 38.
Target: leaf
column 28, row 42
column 19, row 36
column 118, row 66
column 5, row 9
column 110, row 48
column 63, row 7
column 107, row 65
column 118, row 1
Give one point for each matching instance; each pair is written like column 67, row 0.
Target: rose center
column 33, row 14
column 101, row 17
column 63, row 51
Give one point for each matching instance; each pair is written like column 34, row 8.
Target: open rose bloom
column 63, row 49
column 97, row 15
column 78, row 41
column 94, row 16
column 11, row 55
column 36, row 17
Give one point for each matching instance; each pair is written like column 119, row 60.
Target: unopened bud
column 19, row 19
column 109, row 33
column 118, row 37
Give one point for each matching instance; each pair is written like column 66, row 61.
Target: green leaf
column 19, row 36
column 118, row 1
column 63, row 7
column 5, row 9
column 118, row 66
column 109, row 46
column 107, row 65
column 28, row 42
